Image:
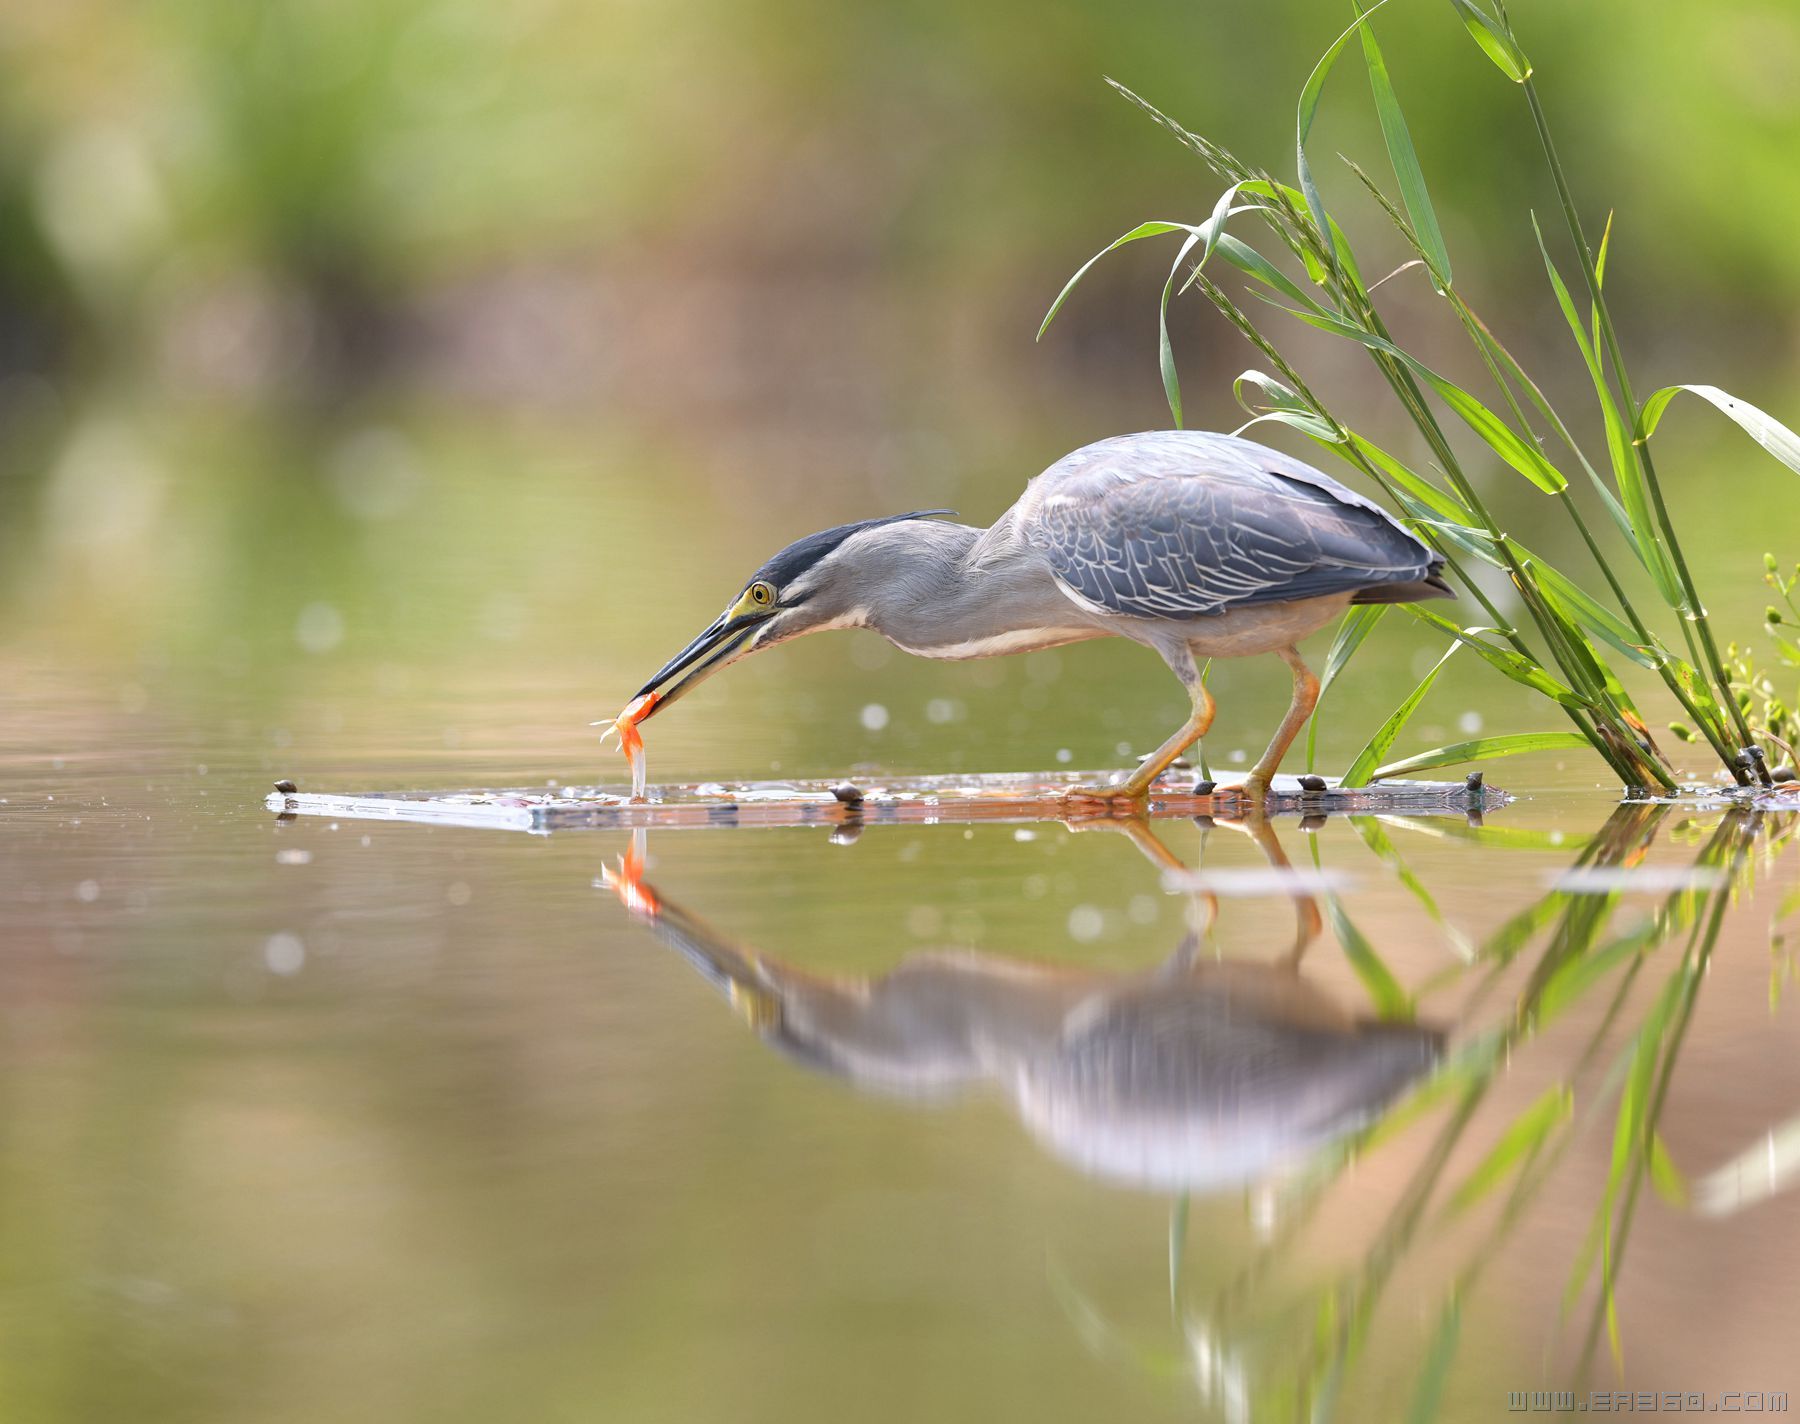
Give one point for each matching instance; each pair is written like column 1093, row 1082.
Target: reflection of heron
column 1195, row 1074
column 1196, row 545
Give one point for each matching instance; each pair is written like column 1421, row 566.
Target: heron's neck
column 946, row 590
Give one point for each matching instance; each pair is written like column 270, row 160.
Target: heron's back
column 1181, row 524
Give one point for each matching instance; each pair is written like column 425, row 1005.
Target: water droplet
column 924, row 921
column 284, row 953
column 319, row 629
column 1086, row 923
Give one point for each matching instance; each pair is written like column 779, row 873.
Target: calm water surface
column 318, row 1120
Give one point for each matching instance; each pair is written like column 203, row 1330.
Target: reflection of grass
column 1578, row 957
column 1295, row 1357
column 1565, row 664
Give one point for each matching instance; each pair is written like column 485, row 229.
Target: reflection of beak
column 705, row 655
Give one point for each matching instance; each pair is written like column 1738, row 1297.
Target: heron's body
column 1197, row 545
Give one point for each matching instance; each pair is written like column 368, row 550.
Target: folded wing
column 1179, row 524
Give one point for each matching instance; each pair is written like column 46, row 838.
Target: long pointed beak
column 704, row 656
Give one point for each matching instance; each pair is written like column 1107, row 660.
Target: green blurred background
column 407, row 340
column 388, row 386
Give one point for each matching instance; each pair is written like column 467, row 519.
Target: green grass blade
column 1270, row 188
column 1575, row 976
column 1523, row 1140
column 1577, row 657
column 1214, row 226
column 1382, row 742
column 1505, row 359
column 1309, row 425
column 1303, row 121
column 1523, row 455
column 1441, row 503
column 1381, row 845
column 1599, row 280
column 1588, row 612
column 1357, row 624
column 1759, row 425
column 1284, row 405
column 1640, row 527
column 1584, row 1260
column 1630, row 1138
column 1499, row 46
column 1346, row 258
column 1483, row 749
column 1392, row 1003
column 1508, row 837
column 1665, row 1176
column 1504, row 944
column 1141, row 231
column 1165, row 351
column 1428, row 1397
column 1518, row 667
column 1208, row 233
column 1476, row 542
column 1401, row 154
column 1252, row 263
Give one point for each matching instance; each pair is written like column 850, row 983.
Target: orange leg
column 1306, row 697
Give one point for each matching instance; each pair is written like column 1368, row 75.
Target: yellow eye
column 761, row 595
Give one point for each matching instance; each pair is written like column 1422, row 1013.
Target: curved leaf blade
column 1252, row 263
column 1357, row 624
column 1522, row 1141
column 1165, row 351
column 1141, row 231
column 1523, row 455
column 1392, row 1003
column 1382, row 742
column 1207, row 233
column 1759, row 425
column 1483, row 749
column 1519, row 668
column 1498, row 44
column 1284, row 405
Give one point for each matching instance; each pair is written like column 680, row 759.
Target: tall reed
column 1556, row 647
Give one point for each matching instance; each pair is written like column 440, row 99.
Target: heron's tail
column 1412, row 591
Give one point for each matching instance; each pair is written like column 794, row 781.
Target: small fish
column 631, row 741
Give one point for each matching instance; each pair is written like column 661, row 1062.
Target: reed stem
column 1695, row 613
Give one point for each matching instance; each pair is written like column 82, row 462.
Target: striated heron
column 1194, row 544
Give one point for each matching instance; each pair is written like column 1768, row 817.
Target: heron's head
column 819, row 582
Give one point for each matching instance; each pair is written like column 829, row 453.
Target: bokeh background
column 388, row 386
column 364, row 346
